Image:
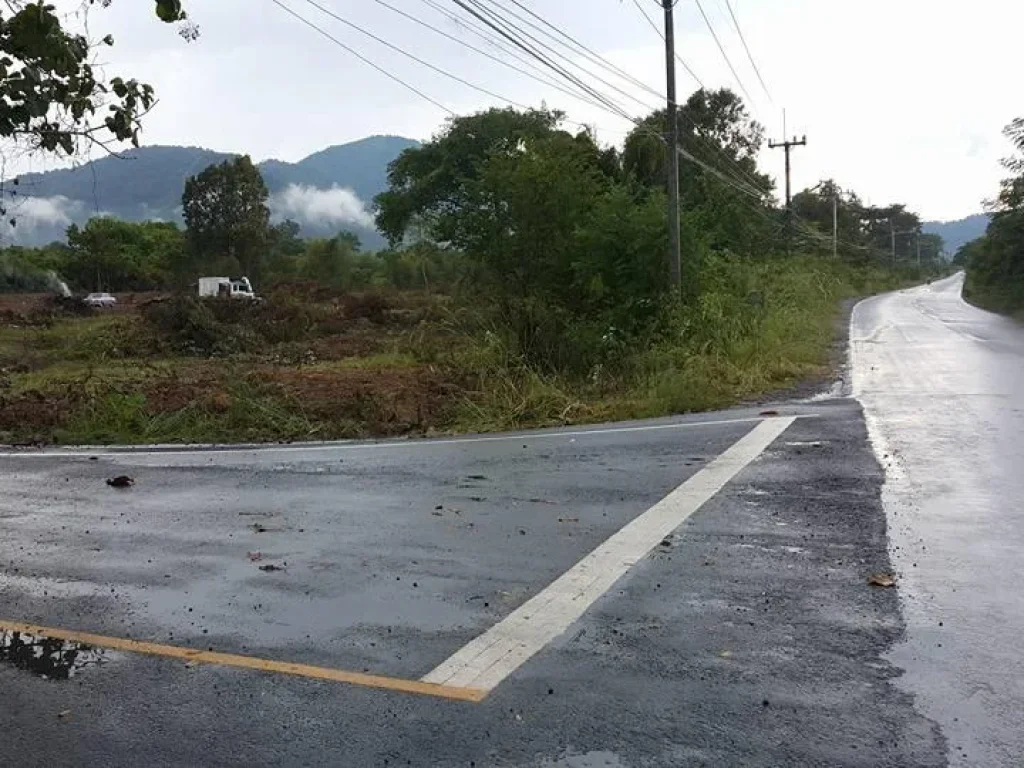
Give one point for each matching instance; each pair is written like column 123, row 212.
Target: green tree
column 50, row 90
column 429, row 185
column 227, row 218
column 719, row 183
column 284, row 251
column 110, row 254
column 335, row 262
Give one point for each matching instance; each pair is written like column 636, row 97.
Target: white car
column 100, row 300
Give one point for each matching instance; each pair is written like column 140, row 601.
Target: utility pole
column 675, row 258
column 892, row 234
column 787, row 145
column 835, row 223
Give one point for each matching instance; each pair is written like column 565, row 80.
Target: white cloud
column 35, row 214
column 311, row 205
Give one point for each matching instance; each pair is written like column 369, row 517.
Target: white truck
column 226, row 288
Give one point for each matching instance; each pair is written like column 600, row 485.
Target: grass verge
column 410, row 367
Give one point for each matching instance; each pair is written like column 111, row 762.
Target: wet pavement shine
column 942, row 384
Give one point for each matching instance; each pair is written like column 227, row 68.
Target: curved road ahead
column 942, row 385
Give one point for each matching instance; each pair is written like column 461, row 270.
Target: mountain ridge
column 326, row 191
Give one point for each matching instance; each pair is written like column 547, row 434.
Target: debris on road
column 270, row 568
column 435, row 513
column 255, row 556
column 121, row 481
column 770, row 412
column 568, row 519
column 882, row 580
column 64, row 713
column 476, row 477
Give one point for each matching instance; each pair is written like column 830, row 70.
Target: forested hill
column 325, row 192
column 955, row 233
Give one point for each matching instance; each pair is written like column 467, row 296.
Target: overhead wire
column 509, row 34
column 661, row 34
column 721, row 49
column 480, row 10
column 328, row 12
column 539, row 78
column 580, row 48
column 750, row 56
column 362, row 58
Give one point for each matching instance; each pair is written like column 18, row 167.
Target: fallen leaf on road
column 478, row 498
column 568, row 519
column 882, row 580
column 259, row 528
column 64, row 713
column 476, row 477
column 435, row 513
column 121, row 481
column 190, row 664
column 666, row 542
column 254, row 556
column 270, row 568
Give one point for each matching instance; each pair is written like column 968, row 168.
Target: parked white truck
column 226, row 288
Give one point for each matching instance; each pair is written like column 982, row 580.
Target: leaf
column 169, row 10
column 882, row 580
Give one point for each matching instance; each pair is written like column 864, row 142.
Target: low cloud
column 324, row 207
column 33, row 213
column 39, row 219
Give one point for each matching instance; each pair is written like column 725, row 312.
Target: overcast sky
column 901, row 100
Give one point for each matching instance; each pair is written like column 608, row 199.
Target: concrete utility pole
column 787, row 145
column 892, row 233
column 835, row 223
column 675, row 259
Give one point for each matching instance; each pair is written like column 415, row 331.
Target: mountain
column 326, row 192
column 956, row 233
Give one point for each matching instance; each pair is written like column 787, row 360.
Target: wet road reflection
column 47, row 657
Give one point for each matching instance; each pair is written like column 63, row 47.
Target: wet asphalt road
column 749, row 637
column 942, row 383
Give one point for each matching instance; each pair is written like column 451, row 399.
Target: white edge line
column 85, row 452
column 489, row 658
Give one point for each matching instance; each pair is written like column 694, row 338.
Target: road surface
column 689, row 591
column 942, row 384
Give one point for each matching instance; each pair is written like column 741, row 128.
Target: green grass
column 758, row 328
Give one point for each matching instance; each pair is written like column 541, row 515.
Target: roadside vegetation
column 525, row 285
column 995, row 262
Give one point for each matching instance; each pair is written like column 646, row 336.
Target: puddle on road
column 48, row 657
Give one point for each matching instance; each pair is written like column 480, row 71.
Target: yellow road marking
column 249, row 662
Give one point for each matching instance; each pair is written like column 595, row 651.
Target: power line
column 661, row 34
column 750, row 56
column 511, row 25
column 580, row 48
column 721, row 49
column 544, row 80
column 498, row 27
column 417, row 59
column 362, row 58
